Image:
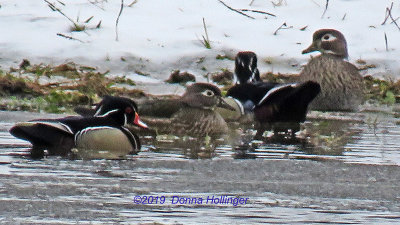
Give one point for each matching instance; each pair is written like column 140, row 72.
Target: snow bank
column 158, row 36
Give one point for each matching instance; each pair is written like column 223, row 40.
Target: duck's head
column 246, row 68
column 328, row 41
column 204, row 95
column 121, row 109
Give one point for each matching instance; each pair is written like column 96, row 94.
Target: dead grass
column 83, row 85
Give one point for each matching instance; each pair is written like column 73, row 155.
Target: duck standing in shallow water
column 342, row 87
column 271, row 103
column 104, row 131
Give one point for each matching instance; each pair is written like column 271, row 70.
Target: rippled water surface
column 344, row 173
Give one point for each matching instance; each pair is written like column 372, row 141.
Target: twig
column 116, row 22
column 326, row 8
column 316, row 3
column 69, row 37
column 134, row 2
column 282, row 27
column 98, row 25
column 257, row 11
column 251, row 3
column 54, row 8
column 389, row 15
column 62, row 3
column 235, row 10
column 94, row 3
column 344, row 17
column 303, row 28
column 88, row 19
column 386, row 43
column 395, row 20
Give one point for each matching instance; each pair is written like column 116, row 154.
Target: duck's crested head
column 328, row 41
column 204, row 95
column 121, row 109
column 246, row 67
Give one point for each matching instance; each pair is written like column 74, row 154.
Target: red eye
column 128, row 110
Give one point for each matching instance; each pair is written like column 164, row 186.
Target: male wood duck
column 190, row 115
column 342, row 87
column 272, row 103
column 104, row 131
column 246, row 70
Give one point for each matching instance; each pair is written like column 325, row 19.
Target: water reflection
column 329, row 137
column 370, row 138
column 102, row 190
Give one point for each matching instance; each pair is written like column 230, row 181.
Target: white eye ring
column 208, row 93
column 328, row 37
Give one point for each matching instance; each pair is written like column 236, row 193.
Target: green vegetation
column 58, row 88
column 222, row 57
column 206, row 40
column 382, row 91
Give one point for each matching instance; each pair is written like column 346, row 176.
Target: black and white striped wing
column 41, row 132
column 280, row 91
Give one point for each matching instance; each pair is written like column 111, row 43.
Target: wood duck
column 104, row 131
column 342, row 87
column 246, row 70
column 272, row 103
column 192, row 114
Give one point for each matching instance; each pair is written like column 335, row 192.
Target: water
column 346, row 173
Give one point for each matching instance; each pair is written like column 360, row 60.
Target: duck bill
column 225, row 105
column 312, row 48
column 138, row 122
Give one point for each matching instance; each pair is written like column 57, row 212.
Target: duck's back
column 342, row 87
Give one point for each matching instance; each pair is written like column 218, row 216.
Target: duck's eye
column 128, row 110
column 208, row 93
column 328, row 37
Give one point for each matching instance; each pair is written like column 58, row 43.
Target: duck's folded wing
column 41, row 132
column 287, row 102
column 301, row 92
column 159, row 108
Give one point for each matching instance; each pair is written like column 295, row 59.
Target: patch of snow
column 158, row 36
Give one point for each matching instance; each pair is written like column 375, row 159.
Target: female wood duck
column 342, row 86
column 272, row 103
column 104, row 131
column 190, row 115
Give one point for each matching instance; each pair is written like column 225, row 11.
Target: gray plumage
column 342, row 87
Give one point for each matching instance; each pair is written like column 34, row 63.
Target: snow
column 158, row 36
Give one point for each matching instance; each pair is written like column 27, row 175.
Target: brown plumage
column 194, row 113
column 342, row 87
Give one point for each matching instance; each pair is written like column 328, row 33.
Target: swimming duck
column 271, row 103
column 103, row 131
column 342, row 87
